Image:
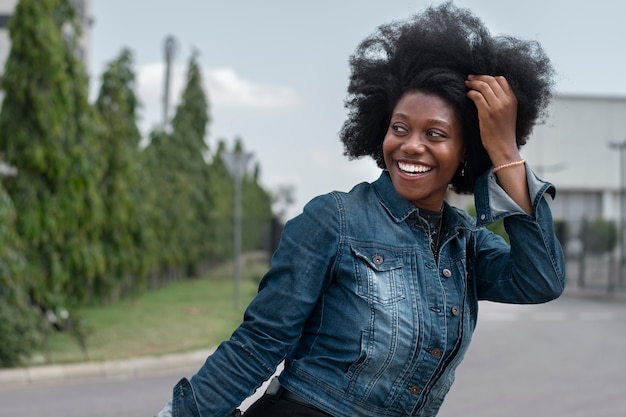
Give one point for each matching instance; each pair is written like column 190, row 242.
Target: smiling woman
column 372, row 295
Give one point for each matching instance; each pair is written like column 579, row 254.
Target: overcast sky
column 276, row 71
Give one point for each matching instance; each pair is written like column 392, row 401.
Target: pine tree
column 123, row 234
column 221, row 211
column 257, row 211
column 18, row 325
column 189, row 129
column 47, row 131
column 176, row 162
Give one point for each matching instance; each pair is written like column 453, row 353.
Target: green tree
column 46, row 131
column 18, row 324
column 176, row 163
column 159, row 175
column 189, row 129
column 123, row 234
column 257, row 210
column 221, row 211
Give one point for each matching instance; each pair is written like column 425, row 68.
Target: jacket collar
column 399, row 208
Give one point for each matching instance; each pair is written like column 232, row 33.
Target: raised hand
column 497, row 114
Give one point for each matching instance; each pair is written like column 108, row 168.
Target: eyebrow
column 430, row 121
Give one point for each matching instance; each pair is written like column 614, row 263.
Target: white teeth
column 413, row 169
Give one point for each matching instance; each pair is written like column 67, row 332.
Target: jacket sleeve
column 532, row 268
column 274, row 319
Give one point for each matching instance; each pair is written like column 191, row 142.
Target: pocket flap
column 377, row 258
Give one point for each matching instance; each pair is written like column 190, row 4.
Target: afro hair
column 434, row 52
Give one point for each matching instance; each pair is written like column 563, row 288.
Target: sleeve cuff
column 493, row 203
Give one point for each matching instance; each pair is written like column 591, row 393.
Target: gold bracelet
column 510, row 164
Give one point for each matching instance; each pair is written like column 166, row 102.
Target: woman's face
column 423, row 148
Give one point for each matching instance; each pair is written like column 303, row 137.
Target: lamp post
column 169, row 51
column 236, row 163
column 621, row 147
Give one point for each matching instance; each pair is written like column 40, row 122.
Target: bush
column 18, row 321
column 599, row 236
column 17, row 333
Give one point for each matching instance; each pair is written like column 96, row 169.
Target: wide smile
column 413, row 169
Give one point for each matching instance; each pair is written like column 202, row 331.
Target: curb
column 108, row 369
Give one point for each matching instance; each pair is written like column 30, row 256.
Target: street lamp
column 621, row 146
column 169, row 51
column 236, row 163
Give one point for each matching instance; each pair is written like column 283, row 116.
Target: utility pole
column 169, row 51
column 621, row 147
column 236, row 163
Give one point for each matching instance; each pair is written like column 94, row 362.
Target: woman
column 372, row 295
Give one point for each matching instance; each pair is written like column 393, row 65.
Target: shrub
column 599, row 236
column 18, row 321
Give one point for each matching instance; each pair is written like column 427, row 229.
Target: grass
column 181, row 316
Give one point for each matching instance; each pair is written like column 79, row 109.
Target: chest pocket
column 379, row 275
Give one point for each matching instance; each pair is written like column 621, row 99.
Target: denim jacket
column 367, row 321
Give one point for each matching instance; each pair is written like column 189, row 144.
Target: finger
column 484, row 86
column 478, row 98
column 504, row 84
column 495, row 90
column 492, row 87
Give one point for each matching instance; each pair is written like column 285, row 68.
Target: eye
column 399, row 128
column 436, row 135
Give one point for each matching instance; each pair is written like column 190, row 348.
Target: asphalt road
column 566, row 358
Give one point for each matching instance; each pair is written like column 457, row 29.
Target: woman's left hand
column 497, row 116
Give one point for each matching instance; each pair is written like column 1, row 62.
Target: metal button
column 415, row 390
column 436, row 353
column 455, row 311
column 377, row 259
column 447, row 273
column 483, row 217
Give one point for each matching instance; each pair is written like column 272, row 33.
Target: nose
column 414, row 144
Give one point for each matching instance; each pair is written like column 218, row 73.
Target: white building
column 576, row 150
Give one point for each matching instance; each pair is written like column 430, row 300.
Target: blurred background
column 276, row 73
